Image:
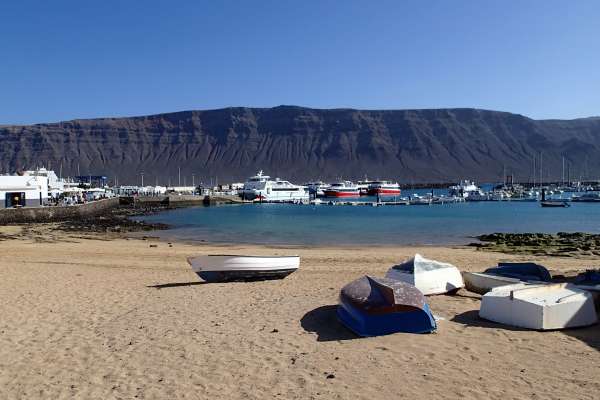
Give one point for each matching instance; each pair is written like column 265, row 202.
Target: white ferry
column 385, row 188
column 263, row 188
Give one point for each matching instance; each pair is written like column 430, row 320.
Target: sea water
column 365, row 225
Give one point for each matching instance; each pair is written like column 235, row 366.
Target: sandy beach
column 105, row 317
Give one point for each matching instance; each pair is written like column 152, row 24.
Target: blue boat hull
column 363, row 324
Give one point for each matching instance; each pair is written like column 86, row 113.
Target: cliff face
column 300, row 143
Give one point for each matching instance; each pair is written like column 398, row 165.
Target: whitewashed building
column 56, row 186
column 23, row 191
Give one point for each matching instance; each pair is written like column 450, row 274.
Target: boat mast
column 541, row 176
column 563, row 171
column 533, row 171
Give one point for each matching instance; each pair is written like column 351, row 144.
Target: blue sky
column 82, row 59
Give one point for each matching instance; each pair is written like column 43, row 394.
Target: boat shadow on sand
column 589, row 335
column 324, row 322
column 176, row 284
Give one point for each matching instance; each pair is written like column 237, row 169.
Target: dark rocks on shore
column 115, row 220
column 564, row 244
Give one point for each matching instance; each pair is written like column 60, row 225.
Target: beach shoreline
column 100, row 315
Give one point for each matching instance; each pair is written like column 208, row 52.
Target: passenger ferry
column 342, row 189
column 384, row 188
column 262, row 187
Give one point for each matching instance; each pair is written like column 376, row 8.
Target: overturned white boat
column 541, row 307
column 429, row 276
column 480, row 282
column 223, row 268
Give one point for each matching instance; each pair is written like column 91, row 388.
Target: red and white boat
column 342, row 189
column 384, row 188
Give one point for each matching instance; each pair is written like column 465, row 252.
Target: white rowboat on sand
column 541, row 307
column 221, row 268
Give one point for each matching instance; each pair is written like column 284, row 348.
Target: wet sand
column 101, row 317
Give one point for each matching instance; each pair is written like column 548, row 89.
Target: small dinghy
column 224, row 268
column 378, row 306
column 540, row 307
column 481, row 283
column 523, row 271
column 429, row 276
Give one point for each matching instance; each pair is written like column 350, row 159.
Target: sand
column 95, row 317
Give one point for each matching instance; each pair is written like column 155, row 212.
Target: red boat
column 384, row 188
column 342, row 189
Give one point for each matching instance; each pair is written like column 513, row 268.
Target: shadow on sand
column 323, row 321
column 472, row 318
column 589, row 335
column 176, row 284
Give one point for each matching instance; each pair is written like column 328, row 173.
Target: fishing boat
column 342, row 189
column 429, row 276
column 377, row 306
column 261, row 187
column 384, row 188
column 523, row 271
column 224, row 268
column 540, row 307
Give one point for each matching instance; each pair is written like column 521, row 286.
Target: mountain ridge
column 299, row 143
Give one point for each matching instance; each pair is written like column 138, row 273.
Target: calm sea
column 387, row 225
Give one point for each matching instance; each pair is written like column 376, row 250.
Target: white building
column 23, row 191
column 56, row 186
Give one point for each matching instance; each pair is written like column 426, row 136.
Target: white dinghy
column 223, row 268
column 429, row 276
column 481, row 283
column 540, row 307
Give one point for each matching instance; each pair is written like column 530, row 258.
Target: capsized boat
column 590, row 281
column 481, row 283
column 377, row 306
column 541, row 307
column 524, row 271
column 429, row 276
column 224, row 268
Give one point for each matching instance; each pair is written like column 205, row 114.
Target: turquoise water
column 387, row 225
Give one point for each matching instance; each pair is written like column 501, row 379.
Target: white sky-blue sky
column 82, row 59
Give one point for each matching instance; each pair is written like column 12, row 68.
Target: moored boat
column 429, row 276
column 377, row 306
column 342, row 189
column 384, row 188
column 223, row 268
column 555, row 203
column 462, row 189
column 262, row 188
column 540, row 307
column 587, row 198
